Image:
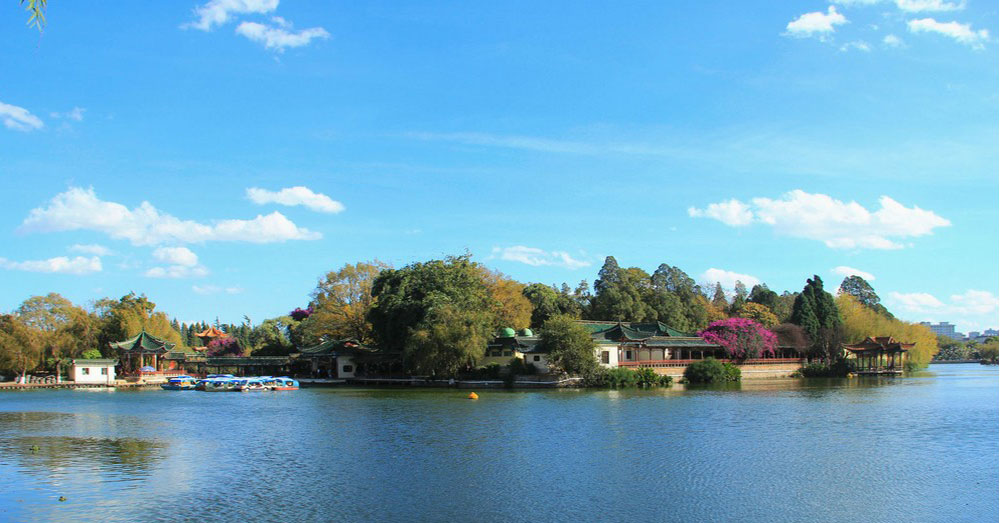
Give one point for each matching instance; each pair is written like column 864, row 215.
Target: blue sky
column 221, row 156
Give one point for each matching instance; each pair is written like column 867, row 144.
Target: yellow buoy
column 473, row 396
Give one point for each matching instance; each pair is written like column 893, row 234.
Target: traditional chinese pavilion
column 879, row 355
column 142, row 350
column 206, row 336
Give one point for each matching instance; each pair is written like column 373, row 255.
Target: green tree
column 63, row 330
column 123, row 318
column 436, row 302
column 719, row 300
column 621, row 294
column 272, row 337
column 547, row 302
column 863, row 292
column 816, row 312
column 676, row 299
column 19, row 347
column 570, row 347
column 761, row 295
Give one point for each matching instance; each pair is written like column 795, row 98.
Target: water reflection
column 124, row 457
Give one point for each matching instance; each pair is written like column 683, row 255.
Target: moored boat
column 250, row 385
column 180, row 383
column 282, row 383
column 221, row 385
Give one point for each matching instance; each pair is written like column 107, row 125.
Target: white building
column 93, row 371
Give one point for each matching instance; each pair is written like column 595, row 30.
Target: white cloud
column 846, row 271
column 93, row 248
column 732, row 212
column 184, row 264
column 176, row 256
column 915, row 301
column 177, row 271
column 892, row 41
column 19, row 118
column 278, row 38
column 219, row 12
column 728, row 278
column 971, row 303
column 815, row 24
column 75, row 114
column 59, row 264
column 81, row 209
column 916, row 6
column 961, row 33
column 215, row 289
column 298, row 195
column 860, row 45
column 537, row 257
column 837, row 224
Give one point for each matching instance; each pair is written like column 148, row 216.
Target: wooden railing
column 685, row 363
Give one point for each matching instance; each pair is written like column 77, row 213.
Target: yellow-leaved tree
column 510, row 306
column 340, row 304
column 861, row 322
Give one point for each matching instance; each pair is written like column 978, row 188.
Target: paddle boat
column 221, row 385
column 180, row 383
column 250, row 385
column 282, row 383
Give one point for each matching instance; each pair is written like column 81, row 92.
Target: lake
column 920, row 448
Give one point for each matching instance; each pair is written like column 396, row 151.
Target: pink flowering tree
column 300, row 314
column 742, row 338
column 226, row 346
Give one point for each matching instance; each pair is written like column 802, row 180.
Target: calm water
column 923, row 448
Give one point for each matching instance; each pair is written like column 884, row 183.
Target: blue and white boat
column 180, row 383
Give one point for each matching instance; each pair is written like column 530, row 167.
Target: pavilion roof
column 143, row 343
column 335, row 347
column 630, row 331
column 882, row 343
column 211, row 332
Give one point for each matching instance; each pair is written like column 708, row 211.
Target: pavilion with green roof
column 142, row 350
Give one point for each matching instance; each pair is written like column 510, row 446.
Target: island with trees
column 449, row 318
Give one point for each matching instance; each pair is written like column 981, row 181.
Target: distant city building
column 981, row 337
column 944, row 329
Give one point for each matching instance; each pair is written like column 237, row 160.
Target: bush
column 91, row 354
column 840, row 369
column 711, row 370
column 620, row 377
column 519, row 367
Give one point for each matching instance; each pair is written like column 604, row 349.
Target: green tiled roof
column 667, row 341
column 143, row 343
column 631, row 331
column 334, row 347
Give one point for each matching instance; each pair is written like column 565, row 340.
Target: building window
column 506, row 353
column 85, row 371
column 628, row 355
column 605, row 357
column 538, row 358
column 348, row 368
column 104, row 371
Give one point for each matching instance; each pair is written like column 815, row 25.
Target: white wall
column 612, row 351
column 348, row 361
column 542, row 363
column 93, row 373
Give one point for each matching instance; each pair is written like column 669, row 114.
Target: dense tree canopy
column 816, row 312
column 570, row 347
column 437, row 314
